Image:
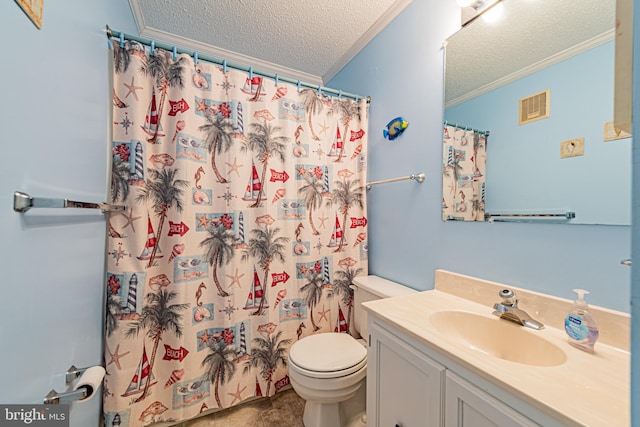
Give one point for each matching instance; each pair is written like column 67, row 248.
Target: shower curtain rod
column 197, row 57
column 459, row 126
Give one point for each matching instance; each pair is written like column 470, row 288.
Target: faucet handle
column 508, row 297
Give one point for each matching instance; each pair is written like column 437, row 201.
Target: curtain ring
column 298, row 85
column 319, row 91
column 276, row 79
column 357, row 99
column 121, row 40
column 250, row 73
column 152, row 47
column 340, row 94
column 195, row 58
column 224, row 66
column 175, row 53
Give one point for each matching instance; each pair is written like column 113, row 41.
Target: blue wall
column 408, row 240
column 525, row 172
column 55, row 95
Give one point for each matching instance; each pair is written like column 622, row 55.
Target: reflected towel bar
column 22, row 202
column 514, row 217
column 416, row 176
column 567, row 215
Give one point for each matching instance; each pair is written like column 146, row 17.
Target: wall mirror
column 572, row 161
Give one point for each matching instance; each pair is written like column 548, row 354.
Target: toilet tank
column 369, row 288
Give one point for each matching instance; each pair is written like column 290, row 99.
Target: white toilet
column 328, row 370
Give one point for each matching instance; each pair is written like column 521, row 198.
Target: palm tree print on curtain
column 464, row 168
column 245, row 224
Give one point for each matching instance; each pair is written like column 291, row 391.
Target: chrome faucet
column 508, row 309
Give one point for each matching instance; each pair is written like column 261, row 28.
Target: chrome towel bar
column 22, row 202
column 416, row 176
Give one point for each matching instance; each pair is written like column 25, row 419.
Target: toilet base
column 347, row 413
column 322, row 414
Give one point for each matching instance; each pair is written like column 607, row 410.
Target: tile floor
column 281, row 410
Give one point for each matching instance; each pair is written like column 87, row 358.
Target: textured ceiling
column 530, row 31
column 307, row 39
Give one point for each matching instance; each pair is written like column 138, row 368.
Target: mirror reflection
column 540, row 81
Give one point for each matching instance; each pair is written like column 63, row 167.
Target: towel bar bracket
column 22, row 202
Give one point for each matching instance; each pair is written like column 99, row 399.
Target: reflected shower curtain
column 464, row 168
column 245, row 224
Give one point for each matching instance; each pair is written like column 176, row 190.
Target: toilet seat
column 327, row 355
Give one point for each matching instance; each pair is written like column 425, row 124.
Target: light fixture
column 472, row 9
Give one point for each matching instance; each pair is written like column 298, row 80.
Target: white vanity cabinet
column 440, row 358
column 410, row 385
column 404, row 387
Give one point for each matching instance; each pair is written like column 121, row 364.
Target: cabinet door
column 468, row 406
column 404, row 387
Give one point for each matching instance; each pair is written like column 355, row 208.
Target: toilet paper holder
column 73, row 373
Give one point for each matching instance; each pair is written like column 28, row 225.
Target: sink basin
column 497, row 337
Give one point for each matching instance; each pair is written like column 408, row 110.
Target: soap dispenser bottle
column 580, row 326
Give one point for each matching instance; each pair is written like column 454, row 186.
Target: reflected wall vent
column 534, row 107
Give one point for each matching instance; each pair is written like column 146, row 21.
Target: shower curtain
column 464, row 168
column 245, row 223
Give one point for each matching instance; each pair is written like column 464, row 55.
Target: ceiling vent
column 534, row 107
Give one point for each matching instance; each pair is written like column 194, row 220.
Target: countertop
column 587, row 389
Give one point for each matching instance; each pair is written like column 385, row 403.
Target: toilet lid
column 327, row 352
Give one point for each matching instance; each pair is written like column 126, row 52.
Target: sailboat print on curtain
column 341, row 322
column 151, row 124
column 254, row 186
column 140, row 378
column 256, row 295
column 337, row 144
column 150, row 243
column 253, row 266
column 337, row 236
